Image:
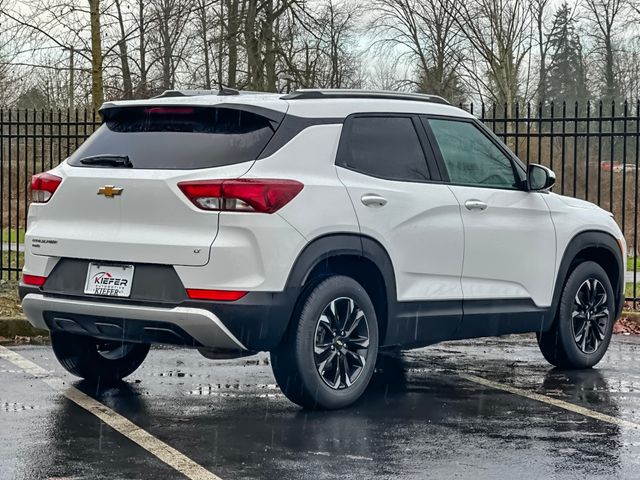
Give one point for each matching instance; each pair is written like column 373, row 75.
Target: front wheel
column 97, row 360
column 327, row 358
column 584, row 322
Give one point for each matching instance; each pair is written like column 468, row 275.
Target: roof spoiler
column 222, row 91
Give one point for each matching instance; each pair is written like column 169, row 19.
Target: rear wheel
column 582, row 331
column 328, row 356
column 97, row 360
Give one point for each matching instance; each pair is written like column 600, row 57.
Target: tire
column 318, row 340
column 97, row 360
column 580, row 335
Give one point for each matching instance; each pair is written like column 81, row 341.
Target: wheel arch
column 357, row 256
column 597, row 246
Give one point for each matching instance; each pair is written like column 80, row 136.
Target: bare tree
column 540, row 12
column 204, row 25
column 606, row 16
column 426, row 33
column 127, row 83
column 317, row 47
column 170, row 37
column 499, row 32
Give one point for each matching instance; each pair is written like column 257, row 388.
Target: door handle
column 373, row 200
column 475, row 205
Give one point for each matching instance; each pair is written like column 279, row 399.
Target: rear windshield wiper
column 107, row 161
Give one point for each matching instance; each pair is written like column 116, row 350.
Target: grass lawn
column 9, row 302
column 628, row 291
column 9, row 235
column 17, row 260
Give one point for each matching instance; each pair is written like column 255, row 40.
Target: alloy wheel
column 341, row 343
column 590, row 315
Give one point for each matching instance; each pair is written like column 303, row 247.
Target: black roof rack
column 316, row 93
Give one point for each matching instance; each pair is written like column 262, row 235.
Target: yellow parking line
column 151, row 444
column 587, row 412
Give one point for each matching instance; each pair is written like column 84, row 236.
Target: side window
column 386, row 147
column 470, row 157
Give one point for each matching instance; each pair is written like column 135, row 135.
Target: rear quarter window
column 179, row 137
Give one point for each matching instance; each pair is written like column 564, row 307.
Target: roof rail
column 192, row 93
column 316, row 93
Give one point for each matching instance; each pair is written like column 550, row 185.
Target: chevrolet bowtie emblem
column 109, row 191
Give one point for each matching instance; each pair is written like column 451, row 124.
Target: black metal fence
column 594, row 148
column 30, row 142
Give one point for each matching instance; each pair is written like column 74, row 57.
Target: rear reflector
column 43, row 186
column 216, row 295
column 241, row 195
column 35, row 280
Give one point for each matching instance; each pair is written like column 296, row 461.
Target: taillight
column 241, row 195
column 215, row 295
column 34, row 280
column 43, row 186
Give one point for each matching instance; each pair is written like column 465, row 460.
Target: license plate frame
column 109, row 280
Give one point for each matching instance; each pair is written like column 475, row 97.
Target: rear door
column 119, row 199
column 386, row 164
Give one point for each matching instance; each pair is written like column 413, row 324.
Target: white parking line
column 151, row 444
column 550, row 401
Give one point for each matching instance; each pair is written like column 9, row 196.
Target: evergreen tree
column 566, row 79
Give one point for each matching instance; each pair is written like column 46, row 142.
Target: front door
column 509, row 241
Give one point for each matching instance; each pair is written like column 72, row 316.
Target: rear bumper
column 258, row 320
column 148, row 324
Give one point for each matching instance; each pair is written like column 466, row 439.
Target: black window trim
column 519, row 169
column 427, row 149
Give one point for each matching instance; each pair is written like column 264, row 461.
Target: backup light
column 43, row 186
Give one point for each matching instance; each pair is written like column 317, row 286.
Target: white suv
column 320, row 226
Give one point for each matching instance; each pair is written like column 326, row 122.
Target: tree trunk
column 143, row 89
column 269, row 50
column 97, row 86
column 252, row 46
column 609, row 70
column 233, row 26
column 167, row 57
column 205, row 46
column 127, row 84
column 542, row 88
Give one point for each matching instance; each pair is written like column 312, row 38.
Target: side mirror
column 540, row 177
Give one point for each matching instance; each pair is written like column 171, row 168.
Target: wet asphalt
column 419, row 419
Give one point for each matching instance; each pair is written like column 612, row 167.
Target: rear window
column 179, row 137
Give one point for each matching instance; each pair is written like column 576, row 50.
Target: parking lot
column 474, row 409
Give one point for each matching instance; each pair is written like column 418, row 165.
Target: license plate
column 109, row 280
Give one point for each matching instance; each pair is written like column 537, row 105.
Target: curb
column 19, row 327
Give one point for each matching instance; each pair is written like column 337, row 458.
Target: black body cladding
column 260, row 319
